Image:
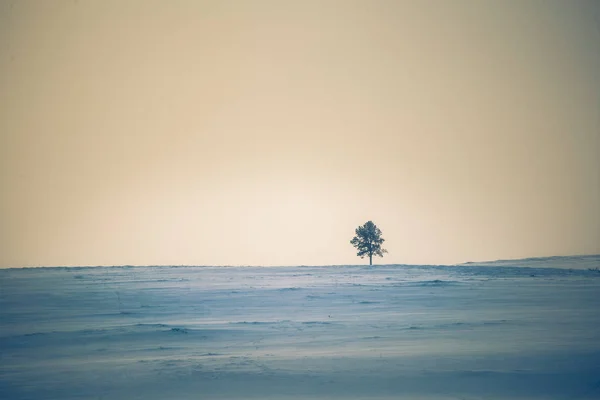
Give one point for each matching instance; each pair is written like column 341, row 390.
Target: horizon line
column 300, row 265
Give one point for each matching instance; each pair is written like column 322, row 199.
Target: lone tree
column 368, row 241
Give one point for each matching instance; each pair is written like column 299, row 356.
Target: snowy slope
column 346, row 332
column 564, row 262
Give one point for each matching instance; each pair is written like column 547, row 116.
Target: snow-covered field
column 493, row 331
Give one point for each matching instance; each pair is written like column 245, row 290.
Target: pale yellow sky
column 263, row 132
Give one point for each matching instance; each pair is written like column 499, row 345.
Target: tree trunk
column 370, row 259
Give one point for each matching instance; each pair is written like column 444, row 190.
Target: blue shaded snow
column 508, row 329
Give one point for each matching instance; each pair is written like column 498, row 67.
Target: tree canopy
column 368, row 241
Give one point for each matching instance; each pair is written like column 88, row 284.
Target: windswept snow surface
column 346, row 332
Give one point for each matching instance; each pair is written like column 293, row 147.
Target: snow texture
column 510, row 330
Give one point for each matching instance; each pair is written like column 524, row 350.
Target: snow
column 336, row 332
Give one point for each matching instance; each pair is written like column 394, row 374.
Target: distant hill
column 574, row 262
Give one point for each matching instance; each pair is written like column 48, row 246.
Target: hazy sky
column 263, row 132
